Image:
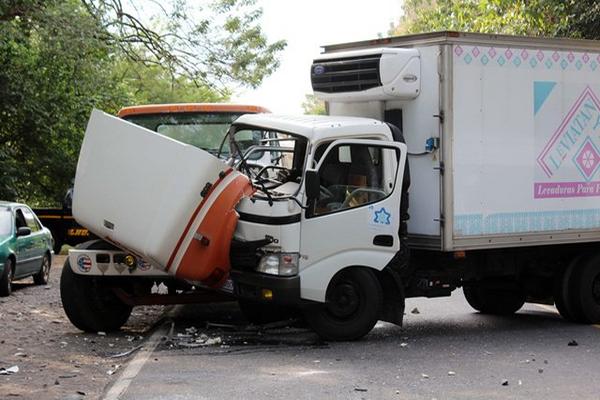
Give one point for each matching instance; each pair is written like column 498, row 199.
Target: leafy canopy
column 551, row 18
column 61, row 58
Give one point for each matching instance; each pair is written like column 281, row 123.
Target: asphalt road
column 447, row 351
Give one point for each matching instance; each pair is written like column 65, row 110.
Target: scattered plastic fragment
column 101, row 333
column 504, row 382
column 360, row 389
column 451, row 373
column 573, row 343
column 403, row 344
column 541, row 370
column 424, row 376
column 415, row 311
column 9, row 371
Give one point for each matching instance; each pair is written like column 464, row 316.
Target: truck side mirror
column 23, row 231
column 312, row 185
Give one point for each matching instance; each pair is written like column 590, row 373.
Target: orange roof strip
column 190, row 107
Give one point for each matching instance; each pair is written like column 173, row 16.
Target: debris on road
column 126, row 353
column 424, row 376
column 505, row 382
column 357, row 389
column 573, row 343
column 113, row 370
column 541, row 370
column 451, row 373
column 9, row 371
column 403, row 344
column 415, row 311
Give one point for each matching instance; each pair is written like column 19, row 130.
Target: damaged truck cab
column 323, row 224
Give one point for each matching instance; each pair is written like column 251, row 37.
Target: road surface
column 446, row 351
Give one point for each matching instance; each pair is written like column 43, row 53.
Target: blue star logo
column 382, row 217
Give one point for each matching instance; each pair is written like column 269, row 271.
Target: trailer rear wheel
column 588, row 289
column 492, row 297
column 353, row 303
column 472, row 296
column 90, row 304
column 566, row 293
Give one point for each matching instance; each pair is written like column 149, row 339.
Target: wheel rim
column 9, row 276
column 596, row 289
column 45, row 268
column 344, row 300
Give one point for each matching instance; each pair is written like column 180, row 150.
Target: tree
column 312, row 105
column 516, row 17
column 216, row 45
column 61, row 58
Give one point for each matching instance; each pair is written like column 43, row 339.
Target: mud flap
column 393, row 297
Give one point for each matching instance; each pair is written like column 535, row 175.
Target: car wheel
column 41, row 278
column 6, row 278
column 352, row 307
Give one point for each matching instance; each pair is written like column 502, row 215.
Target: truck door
column 356, row 217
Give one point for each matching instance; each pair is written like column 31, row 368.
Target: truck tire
column 261, row 313
column 491, row 299
column 566, row 293
column 587, row 282
column 89, row 303
column 352, row 306
column 471, row 294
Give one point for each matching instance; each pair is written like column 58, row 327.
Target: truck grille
column 345, row 74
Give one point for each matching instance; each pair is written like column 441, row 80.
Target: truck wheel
column 565, row 293
column 261, row 313
column 41, row 278
column 493, row 299
column 6, row 278
column 472, row 296
column 352, row 306
column 89, row 303
column 587, row 282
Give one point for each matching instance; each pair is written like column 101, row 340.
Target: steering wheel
column 358, row 191
column 326, row 192
column 266, row 168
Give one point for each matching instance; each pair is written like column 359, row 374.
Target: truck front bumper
column 275, row 289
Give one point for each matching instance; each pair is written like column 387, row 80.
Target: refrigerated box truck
column 503, row 134
column 502, row 139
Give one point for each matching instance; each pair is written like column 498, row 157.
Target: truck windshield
column 274, row 160
column 5, row 222
column 204, row 130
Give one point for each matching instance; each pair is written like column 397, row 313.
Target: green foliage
column 314, row 106
column 61, row 58
column 515, row 17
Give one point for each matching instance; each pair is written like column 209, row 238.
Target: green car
column 25, row 246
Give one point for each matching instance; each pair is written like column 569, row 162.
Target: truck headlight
column 283, row 264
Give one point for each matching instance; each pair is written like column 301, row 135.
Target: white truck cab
column 326, row 225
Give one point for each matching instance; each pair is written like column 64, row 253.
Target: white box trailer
column 517, row 121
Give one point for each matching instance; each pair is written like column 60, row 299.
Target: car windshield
column 204, row 130
column 5, row 222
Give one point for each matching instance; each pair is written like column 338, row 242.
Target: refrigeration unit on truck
column 501, row 135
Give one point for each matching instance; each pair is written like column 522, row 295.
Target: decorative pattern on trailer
column 527, row 58
column 540, row 221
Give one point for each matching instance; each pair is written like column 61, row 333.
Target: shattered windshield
column 204, row 130
column 273, row 160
